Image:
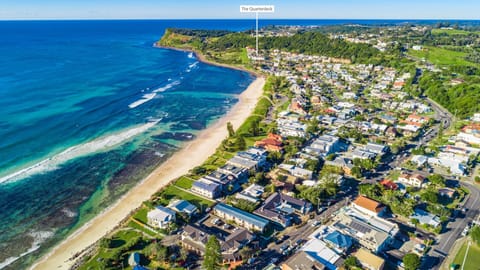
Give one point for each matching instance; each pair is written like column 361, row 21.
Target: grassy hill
column 442, row 57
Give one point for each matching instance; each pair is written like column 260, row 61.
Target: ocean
column 88, row 109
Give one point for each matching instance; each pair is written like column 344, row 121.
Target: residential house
column 389, row 184
column 296, row 171
column 183, row 207
column 345, row 163
column 471, row 138
column 455, row 163
column 371, row 232
column 302, row 261
column 228, row 182
column 160, row 217
column 376, row 148
column 273, row 143
column 426, row 218
column 280, row 207
column 368, row 206
column 297, row 106
column 324, row 145
column 194, row 238
column 239, row 172
column 253, row 158
column 338, row 241
column 207, row 188
column 363, row 154
column 413, row 180
column 320, row 252
column 252, row 193
column 369, row 260
column 248, row 221
column 419, row 160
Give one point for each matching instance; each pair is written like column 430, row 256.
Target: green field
column 473, row 258
column 453, row 32
column 442, row 57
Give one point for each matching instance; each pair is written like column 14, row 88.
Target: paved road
column 454, row 229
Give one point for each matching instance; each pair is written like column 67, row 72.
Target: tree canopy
column 213, row 255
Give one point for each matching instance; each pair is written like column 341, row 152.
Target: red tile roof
column 368, row 204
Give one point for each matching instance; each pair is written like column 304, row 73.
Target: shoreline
column 203, row 59
column 192, row 154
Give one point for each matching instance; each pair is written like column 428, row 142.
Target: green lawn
column 172, row 191
column 141, row 215
column 442, row 57
column 119, row 240
column 473, row 258
column 184, row 182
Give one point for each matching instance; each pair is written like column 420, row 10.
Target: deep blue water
column 75, row 86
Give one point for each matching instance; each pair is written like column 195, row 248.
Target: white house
column 426, row 218
column 415, row 180
column 160, row 217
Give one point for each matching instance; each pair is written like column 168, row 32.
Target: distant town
column 341, row 165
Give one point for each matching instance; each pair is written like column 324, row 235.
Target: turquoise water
column 81, row 104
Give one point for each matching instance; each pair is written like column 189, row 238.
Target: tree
column 259, row 177
column 106, row 242
column 430, row 196
column 437, row 180
column 330, row 157
column 475, row 234
column 356, row 172
column 162, row 253
column 213, row 255
column 183, row 254
column 157, row 251
column 246, row 252
column 254, row 128
column 351, row 263
column 240, row 143
column 415, row 222
column 411, row 261
column 231, row 132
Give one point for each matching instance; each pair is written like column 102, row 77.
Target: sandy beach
column 193, row 154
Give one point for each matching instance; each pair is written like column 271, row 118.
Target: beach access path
column 192, row 154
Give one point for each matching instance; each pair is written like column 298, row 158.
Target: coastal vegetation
column 221, row 45
column 461, row 100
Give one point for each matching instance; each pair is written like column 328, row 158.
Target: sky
column 229, row 9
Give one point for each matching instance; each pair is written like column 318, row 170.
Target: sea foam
column 38, row 238
column 191, row 67
column 150, row 96
column 97, row 145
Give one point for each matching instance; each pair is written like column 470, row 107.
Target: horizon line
column 264, row 19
